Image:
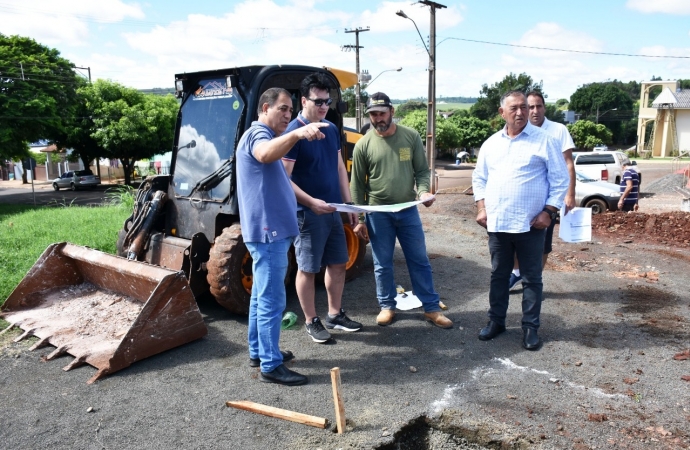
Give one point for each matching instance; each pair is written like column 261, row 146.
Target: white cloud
column 660, row 50
column 552, row 35
column 243, row 37
column 384, row 20
column 660, row 6
column 668, row 68
column 63, row 23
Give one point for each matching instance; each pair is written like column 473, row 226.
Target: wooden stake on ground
column 292, row 416
column 6, row 329
column 338, row 400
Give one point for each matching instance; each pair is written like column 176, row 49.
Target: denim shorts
column 321, row 241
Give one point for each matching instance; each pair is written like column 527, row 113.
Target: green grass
column 26, row 231
column 448, row 106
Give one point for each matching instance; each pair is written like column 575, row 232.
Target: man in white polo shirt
column 537, row 117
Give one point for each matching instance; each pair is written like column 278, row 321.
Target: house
column 669, row 113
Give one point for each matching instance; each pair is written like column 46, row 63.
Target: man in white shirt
column 537, row 117
column 519, row 184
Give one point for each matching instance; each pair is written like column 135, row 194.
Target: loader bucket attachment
column 104, row 310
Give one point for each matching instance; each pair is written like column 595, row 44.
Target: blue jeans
column 267, row 301
column 528, row 247
column 406, row 225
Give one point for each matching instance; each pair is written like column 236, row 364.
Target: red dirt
column 669, row 228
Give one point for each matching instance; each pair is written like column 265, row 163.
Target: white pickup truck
column 604, row 166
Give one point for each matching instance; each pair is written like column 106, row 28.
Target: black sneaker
column 317, row 332
column 342, row 322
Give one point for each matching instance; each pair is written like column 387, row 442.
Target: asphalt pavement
column 449, row 176
column 42, row 193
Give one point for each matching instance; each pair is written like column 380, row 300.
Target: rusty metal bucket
column 104, row 310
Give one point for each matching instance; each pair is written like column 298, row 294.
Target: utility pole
column 98, row 160
column 87, row 68
column 358, row 101
column 431, row 107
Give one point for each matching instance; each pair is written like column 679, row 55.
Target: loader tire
column 120, row 243
column 356, row 250
column 230, row 271
column 121, row 235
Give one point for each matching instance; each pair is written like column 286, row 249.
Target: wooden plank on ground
column 279, row 413
column 338, row 400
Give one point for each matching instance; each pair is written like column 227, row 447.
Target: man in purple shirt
column 269, row 224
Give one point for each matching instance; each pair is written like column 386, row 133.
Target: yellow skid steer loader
column 182, row 241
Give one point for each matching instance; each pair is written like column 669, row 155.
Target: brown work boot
column 438, row 319
column 385, row 317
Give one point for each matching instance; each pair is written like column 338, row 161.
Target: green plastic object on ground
column 289, row 319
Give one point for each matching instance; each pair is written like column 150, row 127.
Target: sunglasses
column 321, row 101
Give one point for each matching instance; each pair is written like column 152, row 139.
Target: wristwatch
column 552, row 214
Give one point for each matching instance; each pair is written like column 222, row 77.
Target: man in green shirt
column 388, row 167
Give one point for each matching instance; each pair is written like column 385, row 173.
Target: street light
column 405, row 16
column 387, row 70
column 431, row 105
column 599, row 115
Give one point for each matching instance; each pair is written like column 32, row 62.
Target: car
column 598, row 195
column 600, row 148
column 605, row 166
column 76, row 179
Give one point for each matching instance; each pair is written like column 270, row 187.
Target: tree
column 409, row 106
column 562, row 102
column 349, row 97
column 37, row 94
column 472, row 131
column 130, row 125
column 78, row 130
column 601, row 97
column 489, row 100
column 448, row 134
column 606, row 102
column 554, row 114
column 587, row 134
column 416, row 120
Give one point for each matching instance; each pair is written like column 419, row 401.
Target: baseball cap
column 378, row 102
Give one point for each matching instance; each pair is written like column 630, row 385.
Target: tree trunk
column 86, row 160
column 127, row 167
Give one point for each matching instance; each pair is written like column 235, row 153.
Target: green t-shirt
column 385, row 170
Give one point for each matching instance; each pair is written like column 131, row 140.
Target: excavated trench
column 425, row 433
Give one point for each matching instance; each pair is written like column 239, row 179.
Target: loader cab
column 208, row 130
column 217, row 107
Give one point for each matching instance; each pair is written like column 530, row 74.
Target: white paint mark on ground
column 594, row 391
column 480, row 372
column 441, row 404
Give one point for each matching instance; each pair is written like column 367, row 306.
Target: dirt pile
column 669, row 228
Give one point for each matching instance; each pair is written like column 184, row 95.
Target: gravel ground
column 616, row 313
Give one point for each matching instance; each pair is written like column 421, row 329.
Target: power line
column 562, row 49
column 298, row 31
column 30, row 78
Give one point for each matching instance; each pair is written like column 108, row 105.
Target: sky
column 144, row 44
